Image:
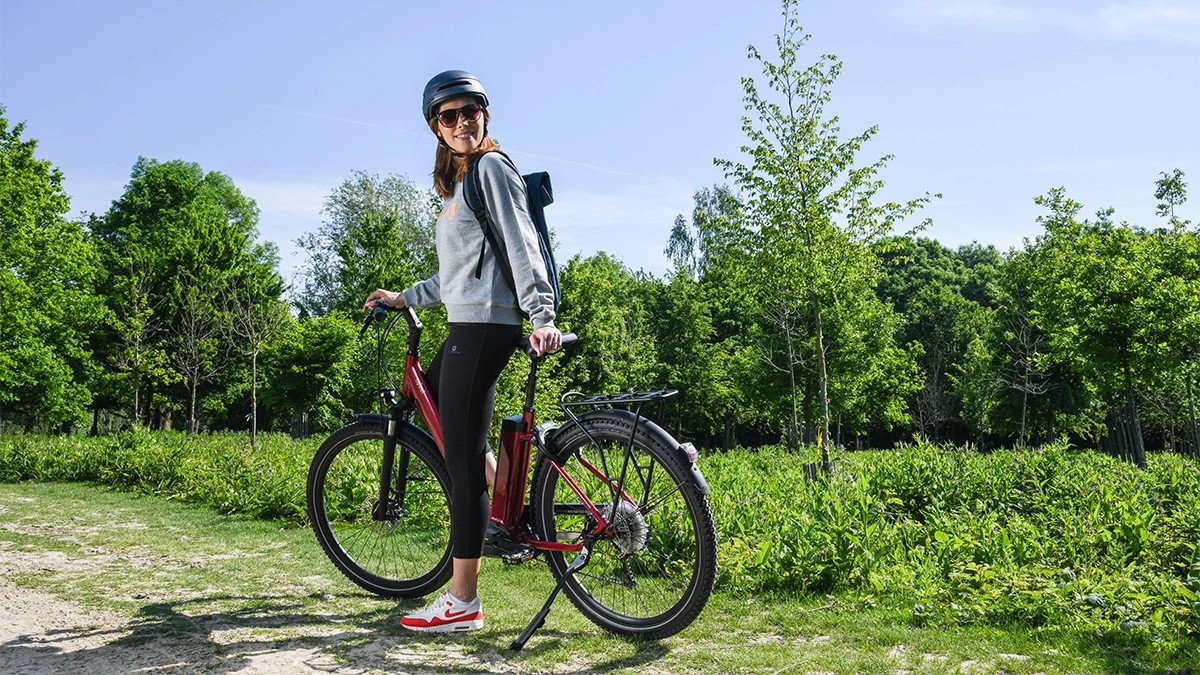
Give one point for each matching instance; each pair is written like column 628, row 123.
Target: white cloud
column 1171, row 21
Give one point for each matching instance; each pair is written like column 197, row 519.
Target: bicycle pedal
column 498, row 543
column 519, row 557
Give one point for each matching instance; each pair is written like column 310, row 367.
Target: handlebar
column 522, row 343
column 376, row 314
column 379, row 312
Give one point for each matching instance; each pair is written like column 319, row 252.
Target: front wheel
column 652, row 572
column 402, row 550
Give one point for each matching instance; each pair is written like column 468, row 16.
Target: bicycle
column 610, row 488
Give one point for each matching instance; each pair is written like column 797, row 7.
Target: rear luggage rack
column 575, row 398
column 633, row 401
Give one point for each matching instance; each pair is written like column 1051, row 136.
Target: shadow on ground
column 283, row 634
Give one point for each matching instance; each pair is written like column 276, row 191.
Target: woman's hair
column 448, row 166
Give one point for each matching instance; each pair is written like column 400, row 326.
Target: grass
column 232, row 586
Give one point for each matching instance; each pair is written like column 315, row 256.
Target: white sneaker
column 447, row 614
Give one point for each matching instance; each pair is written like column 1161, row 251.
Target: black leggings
column 463, row 378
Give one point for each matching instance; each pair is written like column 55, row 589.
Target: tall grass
column 218, row 470
column 1048, row 537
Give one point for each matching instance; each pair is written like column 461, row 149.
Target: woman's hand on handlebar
column 545, row 339
column 392, row 298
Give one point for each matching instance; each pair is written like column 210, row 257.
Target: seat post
column 531, row 383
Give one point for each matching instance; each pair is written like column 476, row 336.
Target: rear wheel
column 653, row 571
column 407, row 553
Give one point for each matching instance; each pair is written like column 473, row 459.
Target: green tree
column 686, row 354
column 1170, row 191
column 1024, row 345
column 940, row 293
column 1180, row 251
column 379, row 234
column 1110, row 303
column 48, row 306
column 976, row 387
column 180, row 237
column 309, row 370
column 690, row 244
column 603, row 303
column 810, row 212
column 254, row 313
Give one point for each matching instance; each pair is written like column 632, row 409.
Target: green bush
column 219, row 470
column 1050, row 538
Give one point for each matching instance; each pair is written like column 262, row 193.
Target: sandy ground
column 40, row 634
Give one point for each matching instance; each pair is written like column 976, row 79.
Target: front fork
column 389, row 505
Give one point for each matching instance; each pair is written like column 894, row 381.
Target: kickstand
column 577, row 564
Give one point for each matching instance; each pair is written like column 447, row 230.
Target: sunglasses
column 449, row 118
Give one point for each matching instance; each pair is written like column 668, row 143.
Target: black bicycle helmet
column 447, row 85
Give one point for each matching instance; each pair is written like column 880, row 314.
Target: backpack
column 539, row 194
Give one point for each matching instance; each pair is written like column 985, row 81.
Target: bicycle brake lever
column 376, row 314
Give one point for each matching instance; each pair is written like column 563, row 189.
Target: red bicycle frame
column 516, row 448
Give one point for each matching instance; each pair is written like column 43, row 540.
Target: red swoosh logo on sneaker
column 451, row 614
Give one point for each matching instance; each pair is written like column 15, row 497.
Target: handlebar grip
column 522, row 343
column 376, row 314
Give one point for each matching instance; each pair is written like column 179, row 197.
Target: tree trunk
column 191, row 424
column 793, row 440
column 1195, row 428
column 730, row 440
column 95, row 422
column 810, row 427
column 823, row 432
column 1125, row 435
column 254, row 400
column 1024, row 407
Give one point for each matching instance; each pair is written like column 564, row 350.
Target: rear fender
column 684, row 452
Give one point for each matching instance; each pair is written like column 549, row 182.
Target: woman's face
column 464, row 136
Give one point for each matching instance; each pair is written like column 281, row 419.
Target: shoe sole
column 461, row 626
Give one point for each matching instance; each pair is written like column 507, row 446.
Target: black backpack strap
column 473, row 195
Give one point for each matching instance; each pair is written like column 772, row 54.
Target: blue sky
column 989, row 102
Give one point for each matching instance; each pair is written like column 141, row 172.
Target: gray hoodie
column 488, row 299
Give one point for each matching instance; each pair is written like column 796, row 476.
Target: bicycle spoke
column 641, row 582
column 409, row 543
column 648, row 507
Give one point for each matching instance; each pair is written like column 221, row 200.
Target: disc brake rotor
column 628, row 529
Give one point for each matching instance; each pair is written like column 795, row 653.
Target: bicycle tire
column 665, row 553
column 407, row 555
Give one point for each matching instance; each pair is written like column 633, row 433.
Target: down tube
column 416, row 388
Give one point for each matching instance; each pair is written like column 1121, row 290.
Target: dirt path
column 40, row 634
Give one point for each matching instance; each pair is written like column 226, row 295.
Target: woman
column 485, row 318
